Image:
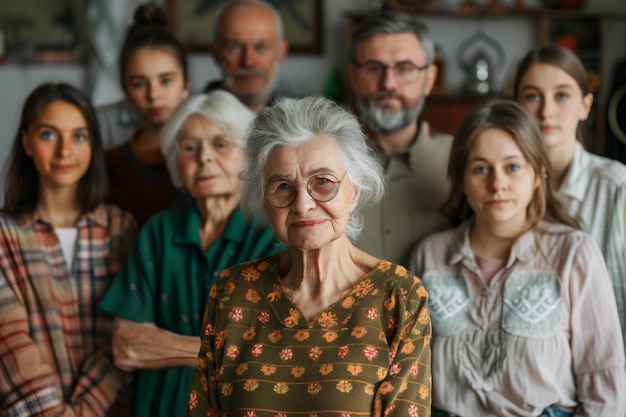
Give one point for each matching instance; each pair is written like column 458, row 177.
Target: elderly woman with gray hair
column 159, row 294
column 321, row 328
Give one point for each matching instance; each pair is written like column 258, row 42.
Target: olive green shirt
column 410, row 210
column 367, row 354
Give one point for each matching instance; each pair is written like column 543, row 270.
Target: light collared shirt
column 544, row 332
column 595, row 189
column 55, row 344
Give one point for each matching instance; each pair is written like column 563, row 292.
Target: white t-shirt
column 67, row 239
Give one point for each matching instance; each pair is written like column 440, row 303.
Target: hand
column 146, row 346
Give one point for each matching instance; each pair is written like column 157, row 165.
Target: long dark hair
column 512, row 118
column 22, row 180
column 149, row 30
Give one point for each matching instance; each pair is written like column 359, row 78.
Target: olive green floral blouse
column 367, row 354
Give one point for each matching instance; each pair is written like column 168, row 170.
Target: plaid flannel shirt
column 55, row 344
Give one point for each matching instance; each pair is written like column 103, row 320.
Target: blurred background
column 78, row 41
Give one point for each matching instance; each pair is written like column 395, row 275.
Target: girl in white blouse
column 552, row 83
column 524, row 321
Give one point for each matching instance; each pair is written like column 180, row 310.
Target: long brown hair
column 512, row 118
column 22, row 180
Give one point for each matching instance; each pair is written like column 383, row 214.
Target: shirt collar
column 576, row 180
column 189, row 227
column 409, row 156
column 99, row 216
column 524, row 249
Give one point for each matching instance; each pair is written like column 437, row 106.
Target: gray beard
column 379, row 120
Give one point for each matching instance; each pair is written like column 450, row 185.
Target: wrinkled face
column 499, row 182
column 556, row 101
column 154, row 84
column 209, row 160
column 308, row 224
column 387, row 99
column 249, row 51
column 59, row 141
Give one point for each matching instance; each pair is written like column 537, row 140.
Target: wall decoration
column 35, row 30
column 192, row 22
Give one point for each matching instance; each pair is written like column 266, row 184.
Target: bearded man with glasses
column 391, row 73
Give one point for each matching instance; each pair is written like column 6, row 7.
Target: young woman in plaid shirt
column 60, row 246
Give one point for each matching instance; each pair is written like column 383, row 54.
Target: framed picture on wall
column 192, row 21
column 38, row 31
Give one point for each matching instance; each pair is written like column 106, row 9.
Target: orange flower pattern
column 326, row 369
column 253, row 296
column 330, row 336
column 251, row 274
column 301, row 336
column 374, row 344
column 327, row 320
column 293, row 319
column 297, row 371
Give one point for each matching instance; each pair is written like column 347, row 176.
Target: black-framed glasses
column 322, row 188
column 405, row 72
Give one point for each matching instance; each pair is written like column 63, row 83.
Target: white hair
column 220, row 107
column 290, row 122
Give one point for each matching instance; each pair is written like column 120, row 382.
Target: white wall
column 301, row 74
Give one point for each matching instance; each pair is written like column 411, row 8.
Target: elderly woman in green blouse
column 321, row 328
column 159, row 295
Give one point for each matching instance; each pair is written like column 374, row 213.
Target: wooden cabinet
column 445, row 113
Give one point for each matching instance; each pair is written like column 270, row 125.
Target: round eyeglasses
column 322, row 188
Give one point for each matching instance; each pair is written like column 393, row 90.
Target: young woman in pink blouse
column 524, row 318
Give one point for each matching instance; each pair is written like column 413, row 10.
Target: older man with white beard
column 249, row 48
column 391, row 73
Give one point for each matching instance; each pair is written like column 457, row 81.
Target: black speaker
column 615, row 141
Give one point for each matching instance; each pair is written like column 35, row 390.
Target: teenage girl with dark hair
column 155, row 78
